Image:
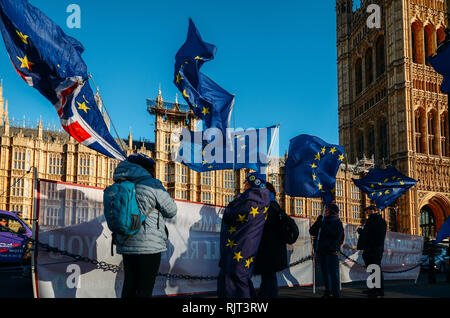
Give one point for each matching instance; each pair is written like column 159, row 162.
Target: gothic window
column 427, row 224
column 429, row 41
column 432, row 134
column 360, row 145
column 444, row 135
column 55, row 164
column 371, row 141
column 298, row 207
column 17, row 187
column 420, row 136
column 85, row 165
column 317, row 208
column 181, row 173
column 358, row 76
column 19, row 159
column 206, row 197
column 228, row 179
column 380, row 58
column 383, row 138
column 369, row 66
column 206, row 178
column 339, row 189
column 417, row 43
column 111, row 167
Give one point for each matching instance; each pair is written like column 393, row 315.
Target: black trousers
column 140, row 274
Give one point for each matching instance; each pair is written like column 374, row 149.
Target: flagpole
column 107, row 113
column 233, row 143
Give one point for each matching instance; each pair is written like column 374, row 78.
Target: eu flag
column 384, row 186
column 444, row 232
column 239, row 149
column 50, row 61
column 208, row 101
column 242, row 228
column 311, row 168
column 441, row 64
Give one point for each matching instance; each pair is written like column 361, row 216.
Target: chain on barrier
column 387, row 272
column 114, row 268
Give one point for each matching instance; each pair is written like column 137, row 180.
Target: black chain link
column 116, row 268
column 387, row 272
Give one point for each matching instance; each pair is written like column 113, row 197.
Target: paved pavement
column 14, row 285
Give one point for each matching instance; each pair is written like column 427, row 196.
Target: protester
column 272, row 251
column 142, row 251
column 329, row 233
column 371, row 242
column 241, row 232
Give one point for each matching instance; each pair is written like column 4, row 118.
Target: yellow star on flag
column 198, row 58
column 25, row 63
column 83, row 107
column 372, row 186
column 237, row 256
column 314, row 177
column 205, row 110
column 341, row 157
column 323, row 150
column 380, row 194
column 333, row 150
column 248, row 262
column 185, row 95
column 232, row 230
column 317, row 157
column 387, row 192
column 320, row 186
column 254, row 211
column 23, row 37
column 231, row 244
column 265, row 210
column 179, row 78
column 313, row 166
column 386, row 180
column 402, row 183
column 241, row 218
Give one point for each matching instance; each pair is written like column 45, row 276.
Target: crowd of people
column 250, row 240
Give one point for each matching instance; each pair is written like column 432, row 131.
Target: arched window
column 369, row 66
column 420, row 136
column 358, row 76
column 444, row 134
column 429, row 46
column 383, row 138
column 432, row 136
column 427, row 223
column 440, row 35
column 417, row 43
column 380, row 57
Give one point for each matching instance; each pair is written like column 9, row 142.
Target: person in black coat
column 329, row 235
column 371, row 242
column 272, row 252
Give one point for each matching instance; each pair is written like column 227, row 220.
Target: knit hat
column 371, row 207
column 256, row 180
column 142, row 160
column 333, row 208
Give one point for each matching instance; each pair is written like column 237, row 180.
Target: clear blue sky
column 278, row 57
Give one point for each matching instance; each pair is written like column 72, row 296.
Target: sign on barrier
column 71, row 219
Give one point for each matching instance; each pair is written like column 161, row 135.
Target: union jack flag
column 50, row 61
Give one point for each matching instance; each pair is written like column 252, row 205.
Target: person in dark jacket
column 242, row 228
column 329, row 234
column 371, row 242
column 272, row 252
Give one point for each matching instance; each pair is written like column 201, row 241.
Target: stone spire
column 159, row 99
column 2, row 102
column 130, row 141
column 6, row 122
column 40, row 128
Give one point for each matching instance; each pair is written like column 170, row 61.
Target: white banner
column 401, row 253
column 71, row 219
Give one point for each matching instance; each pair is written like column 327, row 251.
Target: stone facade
column 390, row 105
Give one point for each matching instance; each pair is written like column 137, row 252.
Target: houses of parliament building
column 390, row 109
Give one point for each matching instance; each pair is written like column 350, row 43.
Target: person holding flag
column 329, row 244
column 242, row 228
column 371, row 242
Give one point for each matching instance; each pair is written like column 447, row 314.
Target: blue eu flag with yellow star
column 240, row 149
column 242, row 228
column 311, row 168
column 207, row 99
column 384, row 186
column 441, row 64
column 50, row 61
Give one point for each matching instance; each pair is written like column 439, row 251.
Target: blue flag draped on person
column 207, row 100
column 311, row 168
column 240, row 149
column 241, row 231
column 384, row 186
column 50, row 61
column 444, row 232
column 441, row 63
